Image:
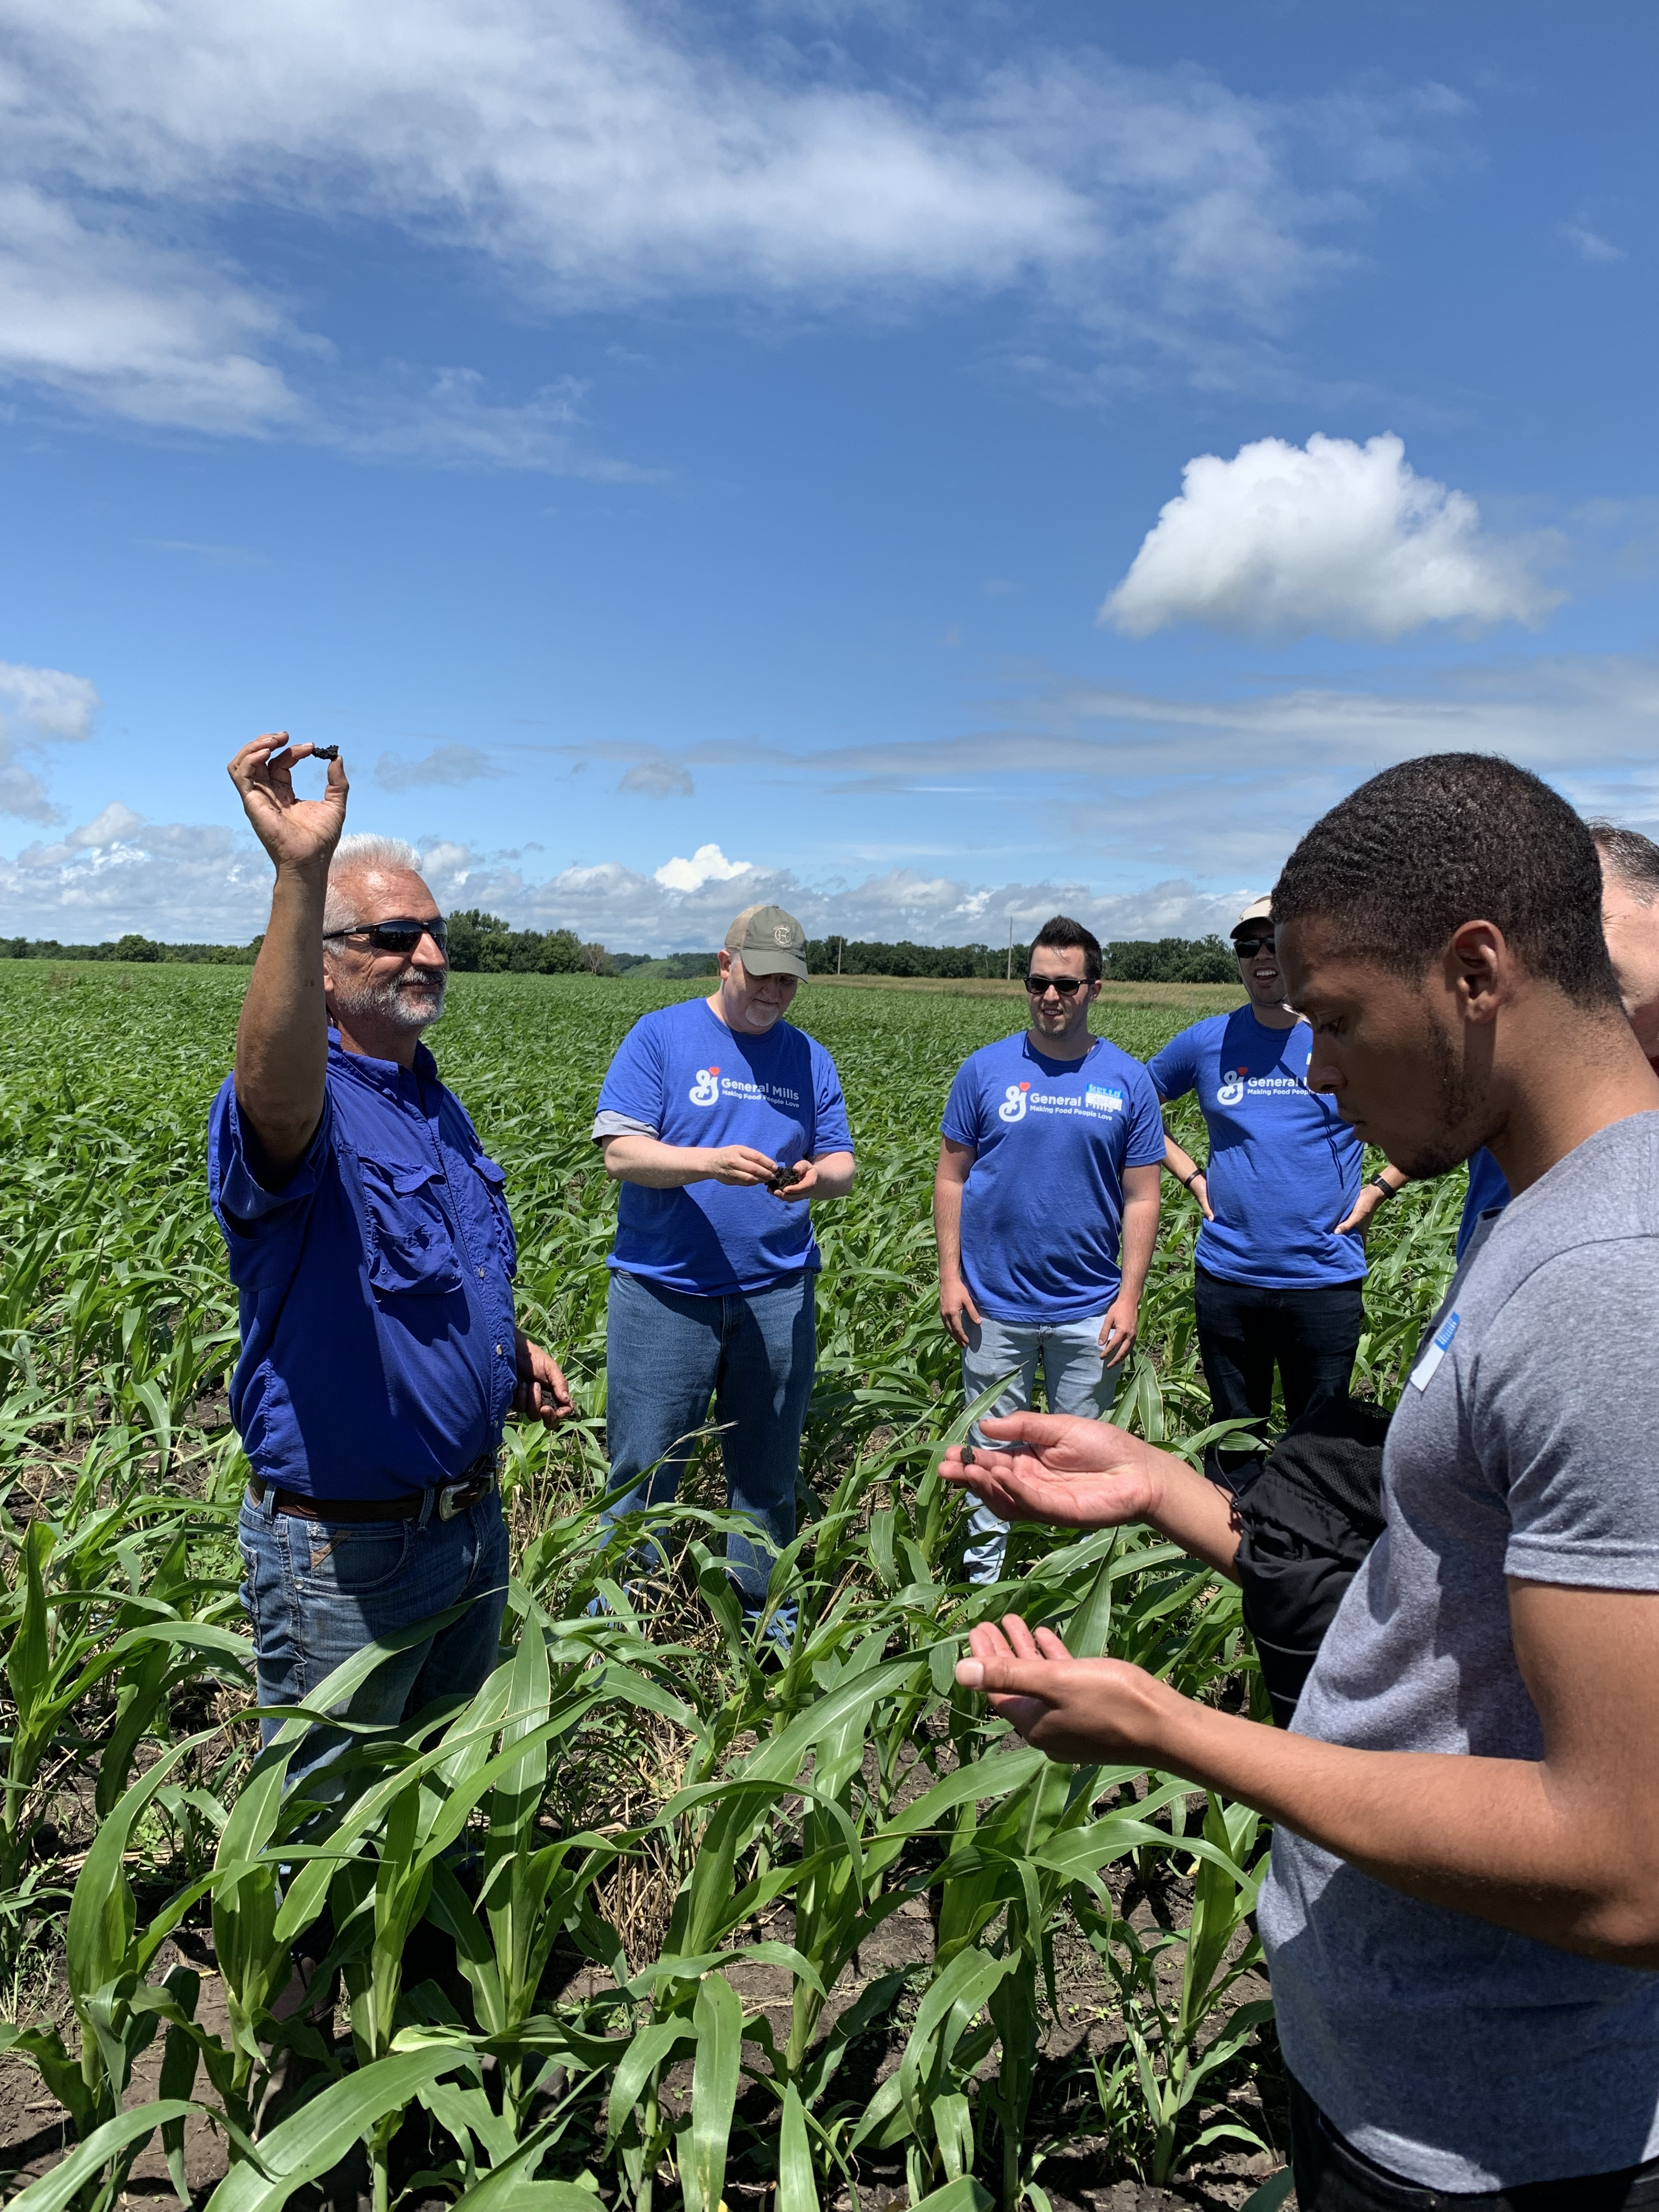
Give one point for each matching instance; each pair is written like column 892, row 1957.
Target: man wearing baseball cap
column 721, row 1123
column 1280, row 1261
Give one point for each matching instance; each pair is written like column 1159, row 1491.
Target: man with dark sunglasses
column 374, row 1254
column 1045, row 1205
column 1280, row 1262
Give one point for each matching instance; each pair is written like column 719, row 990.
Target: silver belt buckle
column 477, row 1477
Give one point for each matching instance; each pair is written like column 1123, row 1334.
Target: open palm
column 296, row 832
column 1075, row 1473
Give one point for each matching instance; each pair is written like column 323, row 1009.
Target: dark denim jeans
column 666, row 1355
column 1332, row 2176
column 318, row 1591
column 1245, row 1332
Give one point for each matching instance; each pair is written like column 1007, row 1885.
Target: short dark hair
column 1405, row 860
column 1632, row 856
column 1062, row 934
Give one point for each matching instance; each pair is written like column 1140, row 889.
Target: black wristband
column 1377, row 1183
column 1188, row 1180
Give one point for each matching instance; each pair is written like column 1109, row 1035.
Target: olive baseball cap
column 768, row 942
column 1258, row 912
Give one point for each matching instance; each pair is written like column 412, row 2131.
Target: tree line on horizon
column 484, row 943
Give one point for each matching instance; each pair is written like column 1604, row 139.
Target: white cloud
column 48, row 700
column 633, row 912
column 1174, row 810
column 449, row 418
column 1334, row 536
column 1590, row 245
column 659, row 779
column 445, row 764
column 708, row 865
column 112, row 323
column 38, row 706
column 602, row 152
column 108, row 319
column 182, row 882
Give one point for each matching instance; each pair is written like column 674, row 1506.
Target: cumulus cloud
column 47, row 701
column 182, row 882
column 1174, row 810
column 708, row 865
column 1334, row 536
column 633, row 912
column 660, row 779
column 38, row 706
column 602, row 152
column 443, row 764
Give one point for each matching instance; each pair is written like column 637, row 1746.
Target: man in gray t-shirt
column 1501, row 1461
column 1461, row 1918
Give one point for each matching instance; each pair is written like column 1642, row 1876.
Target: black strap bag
column 1307, row 1521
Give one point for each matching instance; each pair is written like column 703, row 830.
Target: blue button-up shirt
column 375, row 1287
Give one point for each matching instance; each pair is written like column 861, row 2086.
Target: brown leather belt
column 453, row 1497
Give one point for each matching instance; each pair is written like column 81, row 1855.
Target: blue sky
column 685, row 456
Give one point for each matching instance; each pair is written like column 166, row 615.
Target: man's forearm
column 947, row 1227
column 1192, row 1512
column 1500, row 1839
column 1181, row 1165
column 835, row 1172
column 1140, row 1236
column 282, row 1039
column 656, row 1166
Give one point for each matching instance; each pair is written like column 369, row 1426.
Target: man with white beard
column 372, row 1253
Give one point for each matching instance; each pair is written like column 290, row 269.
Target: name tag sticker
column 1423, row 1373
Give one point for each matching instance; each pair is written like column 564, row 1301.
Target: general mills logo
column 1231, row 1088
column 706, row 1089
column 1013, row 1108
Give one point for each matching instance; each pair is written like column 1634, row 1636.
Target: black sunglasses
column 401, row 936
column 1247, row 947
column 1066, row 985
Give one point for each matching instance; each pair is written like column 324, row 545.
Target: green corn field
column 655, row 1921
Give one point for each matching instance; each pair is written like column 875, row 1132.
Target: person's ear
column 1479, row 968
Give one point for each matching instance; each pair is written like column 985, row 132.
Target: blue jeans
column 666, row 1355
column 1075, row 1380
column 318, row 1591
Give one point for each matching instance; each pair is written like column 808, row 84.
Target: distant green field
column 633, row 1932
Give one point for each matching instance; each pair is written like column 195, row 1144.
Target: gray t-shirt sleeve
column 1567, row 1386
column 609, row 1123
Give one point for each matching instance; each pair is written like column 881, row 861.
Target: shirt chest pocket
column 410, row 1249
column 494, row 1180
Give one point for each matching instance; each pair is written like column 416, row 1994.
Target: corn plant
column 643, row 1807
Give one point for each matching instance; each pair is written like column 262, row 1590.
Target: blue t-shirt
column 375, row 1287
column 1284, row 1167
column 1489, row 1193
column 680, row 1075
column 1042, row 1207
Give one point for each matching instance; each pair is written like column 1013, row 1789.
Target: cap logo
column 782, row 933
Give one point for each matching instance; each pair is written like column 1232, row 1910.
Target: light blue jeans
column 318, row 1591
column 666, row 1355
column 1075, row 1380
